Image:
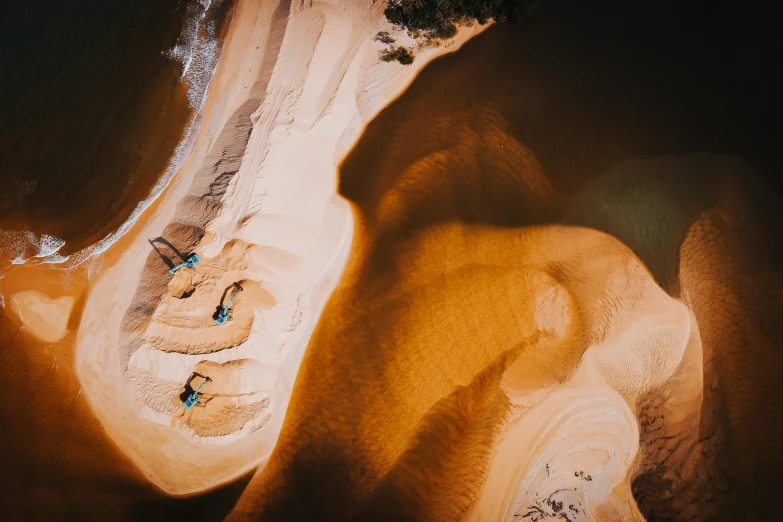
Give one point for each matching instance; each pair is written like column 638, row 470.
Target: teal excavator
column 223, row 312
column 190, row 262
column 192, row 399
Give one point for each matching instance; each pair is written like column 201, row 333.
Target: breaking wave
column 20, row 246
column 198, row 50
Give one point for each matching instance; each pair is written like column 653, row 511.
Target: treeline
column 438, row 18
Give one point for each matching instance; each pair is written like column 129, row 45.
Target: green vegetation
column 401, row 54
column 384, row 37
column 437, row 18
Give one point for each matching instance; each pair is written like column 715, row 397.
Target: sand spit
column 256, row 199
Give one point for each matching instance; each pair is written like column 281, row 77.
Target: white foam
column 196, row 50
column 18, row 246
column 47, row 245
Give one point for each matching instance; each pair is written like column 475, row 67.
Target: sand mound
column 576, row 462
column 182, row 338
column 569, row 323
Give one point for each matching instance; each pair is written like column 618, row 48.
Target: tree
column 437, row 18
column 401, row 54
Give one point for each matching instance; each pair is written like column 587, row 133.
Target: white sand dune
column 256, row 198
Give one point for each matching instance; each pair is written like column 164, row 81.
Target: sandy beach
column 256, row 199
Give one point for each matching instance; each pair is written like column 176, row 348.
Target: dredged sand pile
column 256, row 199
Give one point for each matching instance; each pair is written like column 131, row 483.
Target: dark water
column 93, row 104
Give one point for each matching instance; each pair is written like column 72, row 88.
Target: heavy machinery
column 192, row 399
column 223, row 312
column 190, row 262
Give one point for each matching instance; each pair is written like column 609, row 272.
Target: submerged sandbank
column 47, row 318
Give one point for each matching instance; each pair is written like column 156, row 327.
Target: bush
column 447, row 31
column 436, row 18
column 384, row 37
column 401, row 54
